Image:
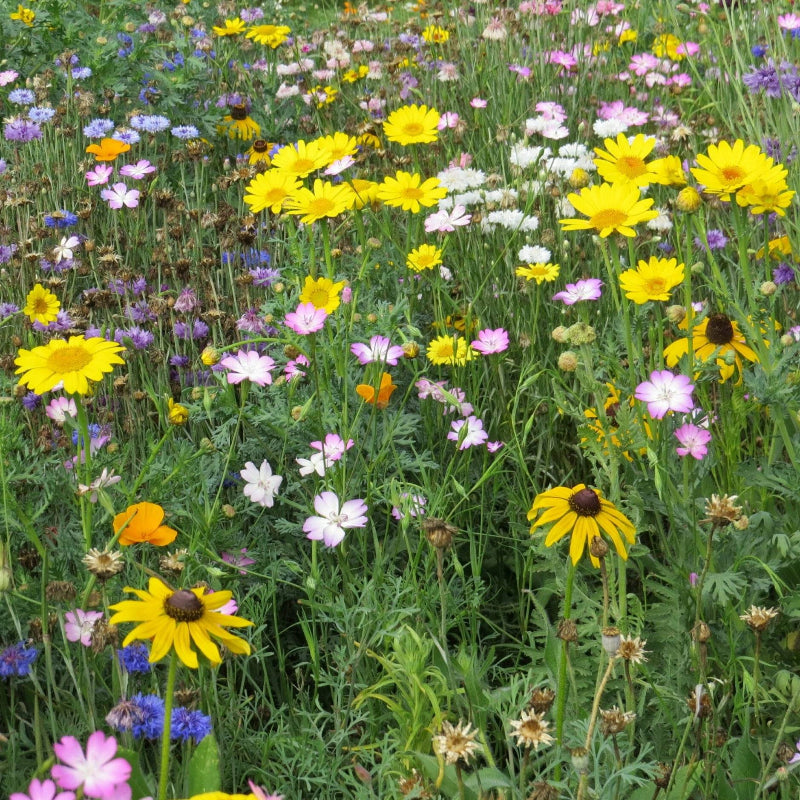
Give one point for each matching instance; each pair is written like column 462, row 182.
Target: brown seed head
column 103, row 565
column 60, row 591
column 438, row 532
column 531, row 730
column 758, row 618
column 615, row 721
column 542, row 700
column 721, row 510
column 542, row 790
column 632, row 649
column 456, row 742
column 568, row 630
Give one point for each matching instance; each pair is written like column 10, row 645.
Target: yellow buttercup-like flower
column 652, row 280
column 538, row 272
column 585, row 513
column 231, row 27
column 322, row 293
column 623, row 161
column 412, row 125
column 41, row 305
column 177, row 619
column 72, row 362
column 300, row 159
column 24, row 15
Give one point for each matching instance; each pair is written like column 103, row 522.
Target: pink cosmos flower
column 334, row 518
column 473, row 433
column 261, row 794
column 306, row 319
column 79, row 626
column 97, row 772
column 380, row 349
column 43, row 790
column 588, row 289
column 693, row 441
column 665, row 392
column 446, row 221
column 99, row 175
column 491, row 341
column 138, row 170
column 119, row 195
column 248, row 365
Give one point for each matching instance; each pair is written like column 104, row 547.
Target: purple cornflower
column 31, row 401
column 21, row 130
column 180, row 361
column 185, row 132
column 7, row 309
column 715, row 240
column 783, row 273
column 197, row 330
column 6, row 251
column 252, row 322
column 17, row 660
column 140, row 338
column 186, row 301
column 151, row 716
column 150, row 123
column 763, row 79
column 41, row 114
column 139, row 312
column 98, row 128
column 21, row 97
column 264, row 277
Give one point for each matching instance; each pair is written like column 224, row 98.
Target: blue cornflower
column 94, row 432
column 98, row 128
column 759, row 50
column 6, row 250
column 140, row 338
column 783, row 273
column 177, row 360
column 185, row 132
column 17, row 660
column 7, row 309
column 151, row 722
column 126, row 135
column 150, row 123
column 40, row 114
column 79, row 73
column 134, row 657
column 18, row 129
column 188, row 724
column 60, row 219
column 22, row 97
column 31, row 401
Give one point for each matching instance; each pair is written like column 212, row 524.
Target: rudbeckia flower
column 586, row 514
column 239, row 125
column 177, row 619
column 141, row 522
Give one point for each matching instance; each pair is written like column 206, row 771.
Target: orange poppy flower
column 141, row 522
column 384, row 392
column 108, row 149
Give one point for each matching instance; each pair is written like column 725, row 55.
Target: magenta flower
column 469, row 431
column 491, row 341
column 248, row 365
column 99, row 175
column 588, row 289
column 693, row 441
column 334, row 518
column 43, row 790
column 138, row 170
column 333, row 448
column 665, row 392
column 80, row 624
column 307, row 318
column 380, row 349
column 97, row 772
column 119, row 195
column 240, row 559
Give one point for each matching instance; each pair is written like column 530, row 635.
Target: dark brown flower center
column 585, row 503
column 239, row 111
column 260, row 146
column 184, row 606
column 719, row 329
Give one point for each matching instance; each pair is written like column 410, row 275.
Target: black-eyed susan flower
column 624, row 161
column 409, row 192
column 74, row 362
column 238, row 124
column 651, row 280
column 718, row 335
column 585, row 513
column 611, row 208
column 41, row 305
column 175, row 619
column 258, row 152
column 412, row 125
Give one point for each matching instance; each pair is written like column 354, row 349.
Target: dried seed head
column 541, row 790
column 103, row 565
column 531, row 730
column 758, row 618
column 721, row 510
column 699, row 702
column 580, row 760
column 615, row 721
column 568, row 630
column 456, row 743
column 542, row 700
column 632, row 649
column 701, row 632
column 598, row 547
column 60, row 591
column 173, row 562
column 663, row 775
column 610, row 638
column 438, row 532
column 104, row 635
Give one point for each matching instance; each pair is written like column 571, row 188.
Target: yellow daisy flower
column 652, row 280
column 412, row 125
column 336, row 146
column 409, row 192
column 539, row 272
column 324, row 200
column 728, row 167
column 449, row 350
column 434, row 34
column 623, row 161
column 666, row 171
column 322, row 293
column 300, row 159
column 176, row 619
column 231, row 27
column 611, row 207
column 270, row 190
column 24, row 15
column 272, row 35
column 667, row 44
column 73, row 362
column 364, row 192
column 41, row 305
column 768, row 193
column 426, row 256
column 586, row 514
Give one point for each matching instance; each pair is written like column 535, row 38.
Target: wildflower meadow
column 399, row 400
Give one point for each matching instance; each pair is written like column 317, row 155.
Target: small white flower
column 261, row 485
column 65, row 250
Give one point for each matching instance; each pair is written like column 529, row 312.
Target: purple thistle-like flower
column 783, row 273
column 17, row 660
column 21, row 130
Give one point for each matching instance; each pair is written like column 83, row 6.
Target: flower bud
column 676, row 314
column 568, row 361
column 768, row 288
column 210, row 356
column 688, row 200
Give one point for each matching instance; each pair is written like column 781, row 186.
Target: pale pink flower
column 665, row 392
column 307, row 318
column 248, row 365
column 693, row 441
column 789, row 22
column 449, row 119
column 65, row 249
column 445, row 221
column 469, row 431
column 59, row 408
column 588, row 289
column 478, row 102
column 79, row 626
column 380, row 349
column 138, row 170
column 334, row 518
column 339, row 166
column 261, row 485
column 97, row 772
column 491, row 341
column 120, row 195
column 43, row 790
column 99, row 175
column 8, row 76
column 293, row 369
column 314, row 463
column 333, row 447
column 261, row 794
column 493, row 447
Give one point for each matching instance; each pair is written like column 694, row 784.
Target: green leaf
column 137, row 781
column 204, row 767
column 745, row 769
column 683, row 784
column 429, row 766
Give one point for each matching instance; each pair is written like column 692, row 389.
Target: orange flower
column 142, row 523
column 384, row 393
column 108, row 149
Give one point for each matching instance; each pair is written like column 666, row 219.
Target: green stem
column 561, row 689
column 165, row 736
